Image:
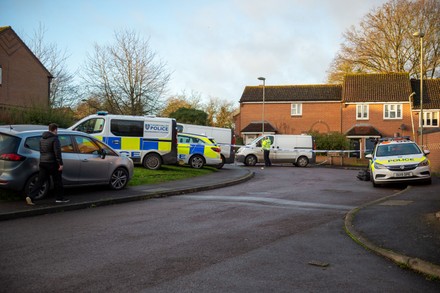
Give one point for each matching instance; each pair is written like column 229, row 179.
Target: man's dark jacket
column 50, row 149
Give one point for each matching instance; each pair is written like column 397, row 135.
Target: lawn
column 166, row 173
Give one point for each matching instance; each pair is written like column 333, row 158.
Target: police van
column 147, row 140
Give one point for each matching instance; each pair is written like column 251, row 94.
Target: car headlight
column 379, row 166
column 423, row 163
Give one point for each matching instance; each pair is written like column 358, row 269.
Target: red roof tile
column 314, row 93
column 381, row 87
column 431, row 93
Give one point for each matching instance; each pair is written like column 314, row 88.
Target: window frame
column 425, row 120
column 365, row 109
column 399, row 109
column 298, row 109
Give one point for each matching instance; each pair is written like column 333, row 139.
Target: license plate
column 402, row 174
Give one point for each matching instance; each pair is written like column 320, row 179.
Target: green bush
column 37, row 116
column 331, row 141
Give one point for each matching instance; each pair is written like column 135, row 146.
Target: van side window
column 131, row 128
column 94, row 125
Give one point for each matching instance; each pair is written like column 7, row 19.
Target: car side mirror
column 369, row 156
column 103, row 153
column 426, row 152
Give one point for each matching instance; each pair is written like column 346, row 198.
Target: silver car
column 87, row 161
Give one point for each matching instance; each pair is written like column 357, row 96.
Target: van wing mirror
column 369, row 156
column 426, row 152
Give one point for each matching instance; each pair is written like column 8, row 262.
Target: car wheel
column 44, row 190
column 152, row 161
column 219, row 166
column 196, row 162
column 250, row 160
column 374, row 182
column 119, row 179
column 302, row 161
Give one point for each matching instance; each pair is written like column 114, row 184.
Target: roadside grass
column 166, row 173
column 141, row 176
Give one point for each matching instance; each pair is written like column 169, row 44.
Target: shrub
column 330, row 141
column 37, row 116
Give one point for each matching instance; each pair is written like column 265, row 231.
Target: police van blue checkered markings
column 147, row 140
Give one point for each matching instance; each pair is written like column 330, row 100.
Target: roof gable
column 287, row 93
column 381, row 87
column 11, row 42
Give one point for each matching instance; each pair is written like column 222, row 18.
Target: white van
column 147, row 140
column 222, row 136
column 295, row 149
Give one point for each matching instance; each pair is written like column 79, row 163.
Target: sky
column 213, row 48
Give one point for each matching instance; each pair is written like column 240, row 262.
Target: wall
column 387, row 127
column 322, row 117
column 24, row 80
column 432, row 143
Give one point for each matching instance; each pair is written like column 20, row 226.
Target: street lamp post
column 264, row 97
column 420, row 35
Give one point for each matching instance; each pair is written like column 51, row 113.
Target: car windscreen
column 8, row 144
column 397, row 150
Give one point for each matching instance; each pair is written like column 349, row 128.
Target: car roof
column 192, row 134
column 28, row 129
column 391, row 142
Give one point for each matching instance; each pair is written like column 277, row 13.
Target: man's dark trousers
column 47, row 170
column 267, row 161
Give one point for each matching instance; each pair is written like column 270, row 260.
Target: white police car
column 397, row 160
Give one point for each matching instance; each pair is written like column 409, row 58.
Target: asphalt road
column 282, row 231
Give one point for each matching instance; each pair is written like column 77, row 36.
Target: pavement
column 403, row 227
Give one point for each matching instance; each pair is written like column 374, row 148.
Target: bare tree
column 384, row 41
column 62, row 89
column 176, row 102
column 126, row 75
column 220, row 112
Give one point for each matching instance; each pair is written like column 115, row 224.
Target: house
column 24, row 81
column 363, row 107
column 291, row 109
column 374, row 106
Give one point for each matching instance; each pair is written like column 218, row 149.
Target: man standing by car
column 51, row 164
column 265, row 144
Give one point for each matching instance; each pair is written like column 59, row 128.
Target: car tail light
column 216, row 149
column 11, row 157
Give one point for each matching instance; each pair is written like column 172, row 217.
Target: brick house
column 365, row 106
column 24, row 81
column 292, row 109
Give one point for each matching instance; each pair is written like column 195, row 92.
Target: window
column 94, row 125
column 430, row 119
column 392, row 111
column 66, row 143
column 296, row 110
column 361, row 112
column 86, row 145
column 33, row 143
column 132, row 128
